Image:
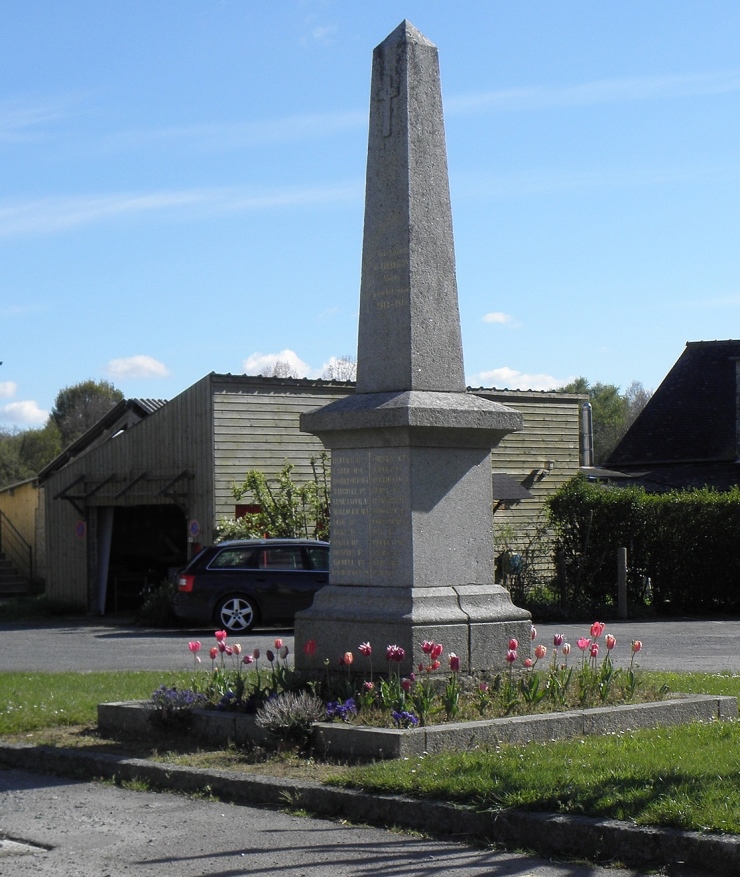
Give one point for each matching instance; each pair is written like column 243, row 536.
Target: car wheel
column 236, row 614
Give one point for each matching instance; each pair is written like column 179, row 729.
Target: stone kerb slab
column 362, row 743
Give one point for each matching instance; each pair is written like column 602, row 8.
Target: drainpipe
column 587, row 435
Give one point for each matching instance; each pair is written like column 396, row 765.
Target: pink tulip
column 540, row 652
column 454, row 663
column 597, row 628
column 594, row 650
column 533, row 632
column 437, row 649
column 309, row 647
column 221, row 635
column 222, row 646
column 365, row 649
column 511, row 655
column 406, row 685
column 214, row 653
column 435, row 665
column 348, row 658
column 610, row 641
column 636, row 645
column 278, row 644
column 566, row 649
column 557, row 640
column 513, row 645
column 229, row 650
column 527, row 662
column 483, row 687
column 194, row 646
column 427, row 646
column 247, row 659
column 583, row 643
column 368, row 686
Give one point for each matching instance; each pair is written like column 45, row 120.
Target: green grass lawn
column 686, row 777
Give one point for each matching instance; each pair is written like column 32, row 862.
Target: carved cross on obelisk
column 411, row 497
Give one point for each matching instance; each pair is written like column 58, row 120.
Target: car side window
column 234, row 558
column 284, row 557
column 319, row 558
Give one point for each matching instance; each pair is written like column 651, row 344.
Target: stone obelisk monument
column 411, row 495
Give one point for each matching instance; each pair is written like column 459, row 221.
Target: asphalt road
column 83, row 829
column 88, row 644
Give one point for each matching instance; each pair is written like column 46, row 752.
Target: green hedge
column 687, row 543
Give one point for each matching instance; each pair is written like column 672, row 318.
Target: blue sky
column 181, row 187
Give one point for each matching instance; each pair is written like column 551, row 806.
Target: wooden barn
column 129, row 503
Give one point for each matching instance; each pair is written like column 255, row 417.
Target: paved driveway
column 84, row 644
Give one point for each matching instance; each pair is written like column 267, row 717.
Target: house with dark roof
column 688, row 434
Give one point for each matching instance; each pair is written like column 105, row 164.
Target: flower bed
column 355, row 742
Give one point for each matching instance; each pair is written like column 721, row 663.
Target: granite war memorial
column 411, row 495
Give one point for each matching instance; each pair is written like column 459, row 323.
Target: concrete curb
column 544, row 833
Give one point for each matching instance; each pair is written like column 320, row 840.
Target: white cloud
column 600, row 91
column 50, row 215
column 23, row 413
column 140, row 366
column 497, row 317
column 264, row 364
column 510, row 379
column 7, row 389
column 19, row 121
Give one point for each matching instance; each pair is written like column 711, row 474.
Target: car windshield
column 319, row 558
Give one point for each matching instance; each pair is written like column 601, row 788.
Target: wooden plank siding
column 256, row 426
column 225, row 425
column 170, row 440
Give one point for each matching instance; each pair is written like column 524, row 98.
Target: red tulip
column 636, row 645
column 278, row 643
column 454, row 663
column 309, row 647
column 256, row 654
column 247, row 659
column 270, row 656
column 557, row 640
column 406, row 685
column 437, row 649
column 511, row 655
column 427, row 646
column 540, row 652
column 194, row 646
column 214, row 653
column 594, row 650
column 513, row 645
column 610, row 641
column 365, row 649
column 597, row 628
column 221, row 635
column 527, row 662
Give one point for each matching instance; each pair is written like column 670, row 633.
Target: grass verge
column 685, row 777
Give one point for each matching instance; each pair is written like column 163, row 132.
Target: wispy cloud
column 7, row 389
column 21, row 121
column 139, row 366
column 23, row 413
column 499, row 318
column 554, row 180
column 510, row 379
column 226, row 136
column 601, row 91
column 49, row 215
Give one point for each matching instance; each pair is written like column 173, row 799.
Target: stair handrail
column 16, row 547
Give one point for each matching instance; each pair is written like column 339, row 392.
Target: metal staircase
column 16, row 560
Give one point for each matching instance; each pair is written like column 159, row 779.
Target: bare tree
column 343, row 368
column 282, row 369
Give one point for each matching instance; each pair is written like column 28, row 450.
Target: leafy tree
column 40, row 446
column 286, row 509
column 613, row 413
column 79, row 407
column 11, row 467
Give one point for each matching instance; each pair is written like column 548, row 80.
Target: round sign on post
column 80, row 529
column 193, row 530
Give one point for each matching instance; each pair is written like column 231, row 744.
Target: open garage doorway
column 148, row 545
